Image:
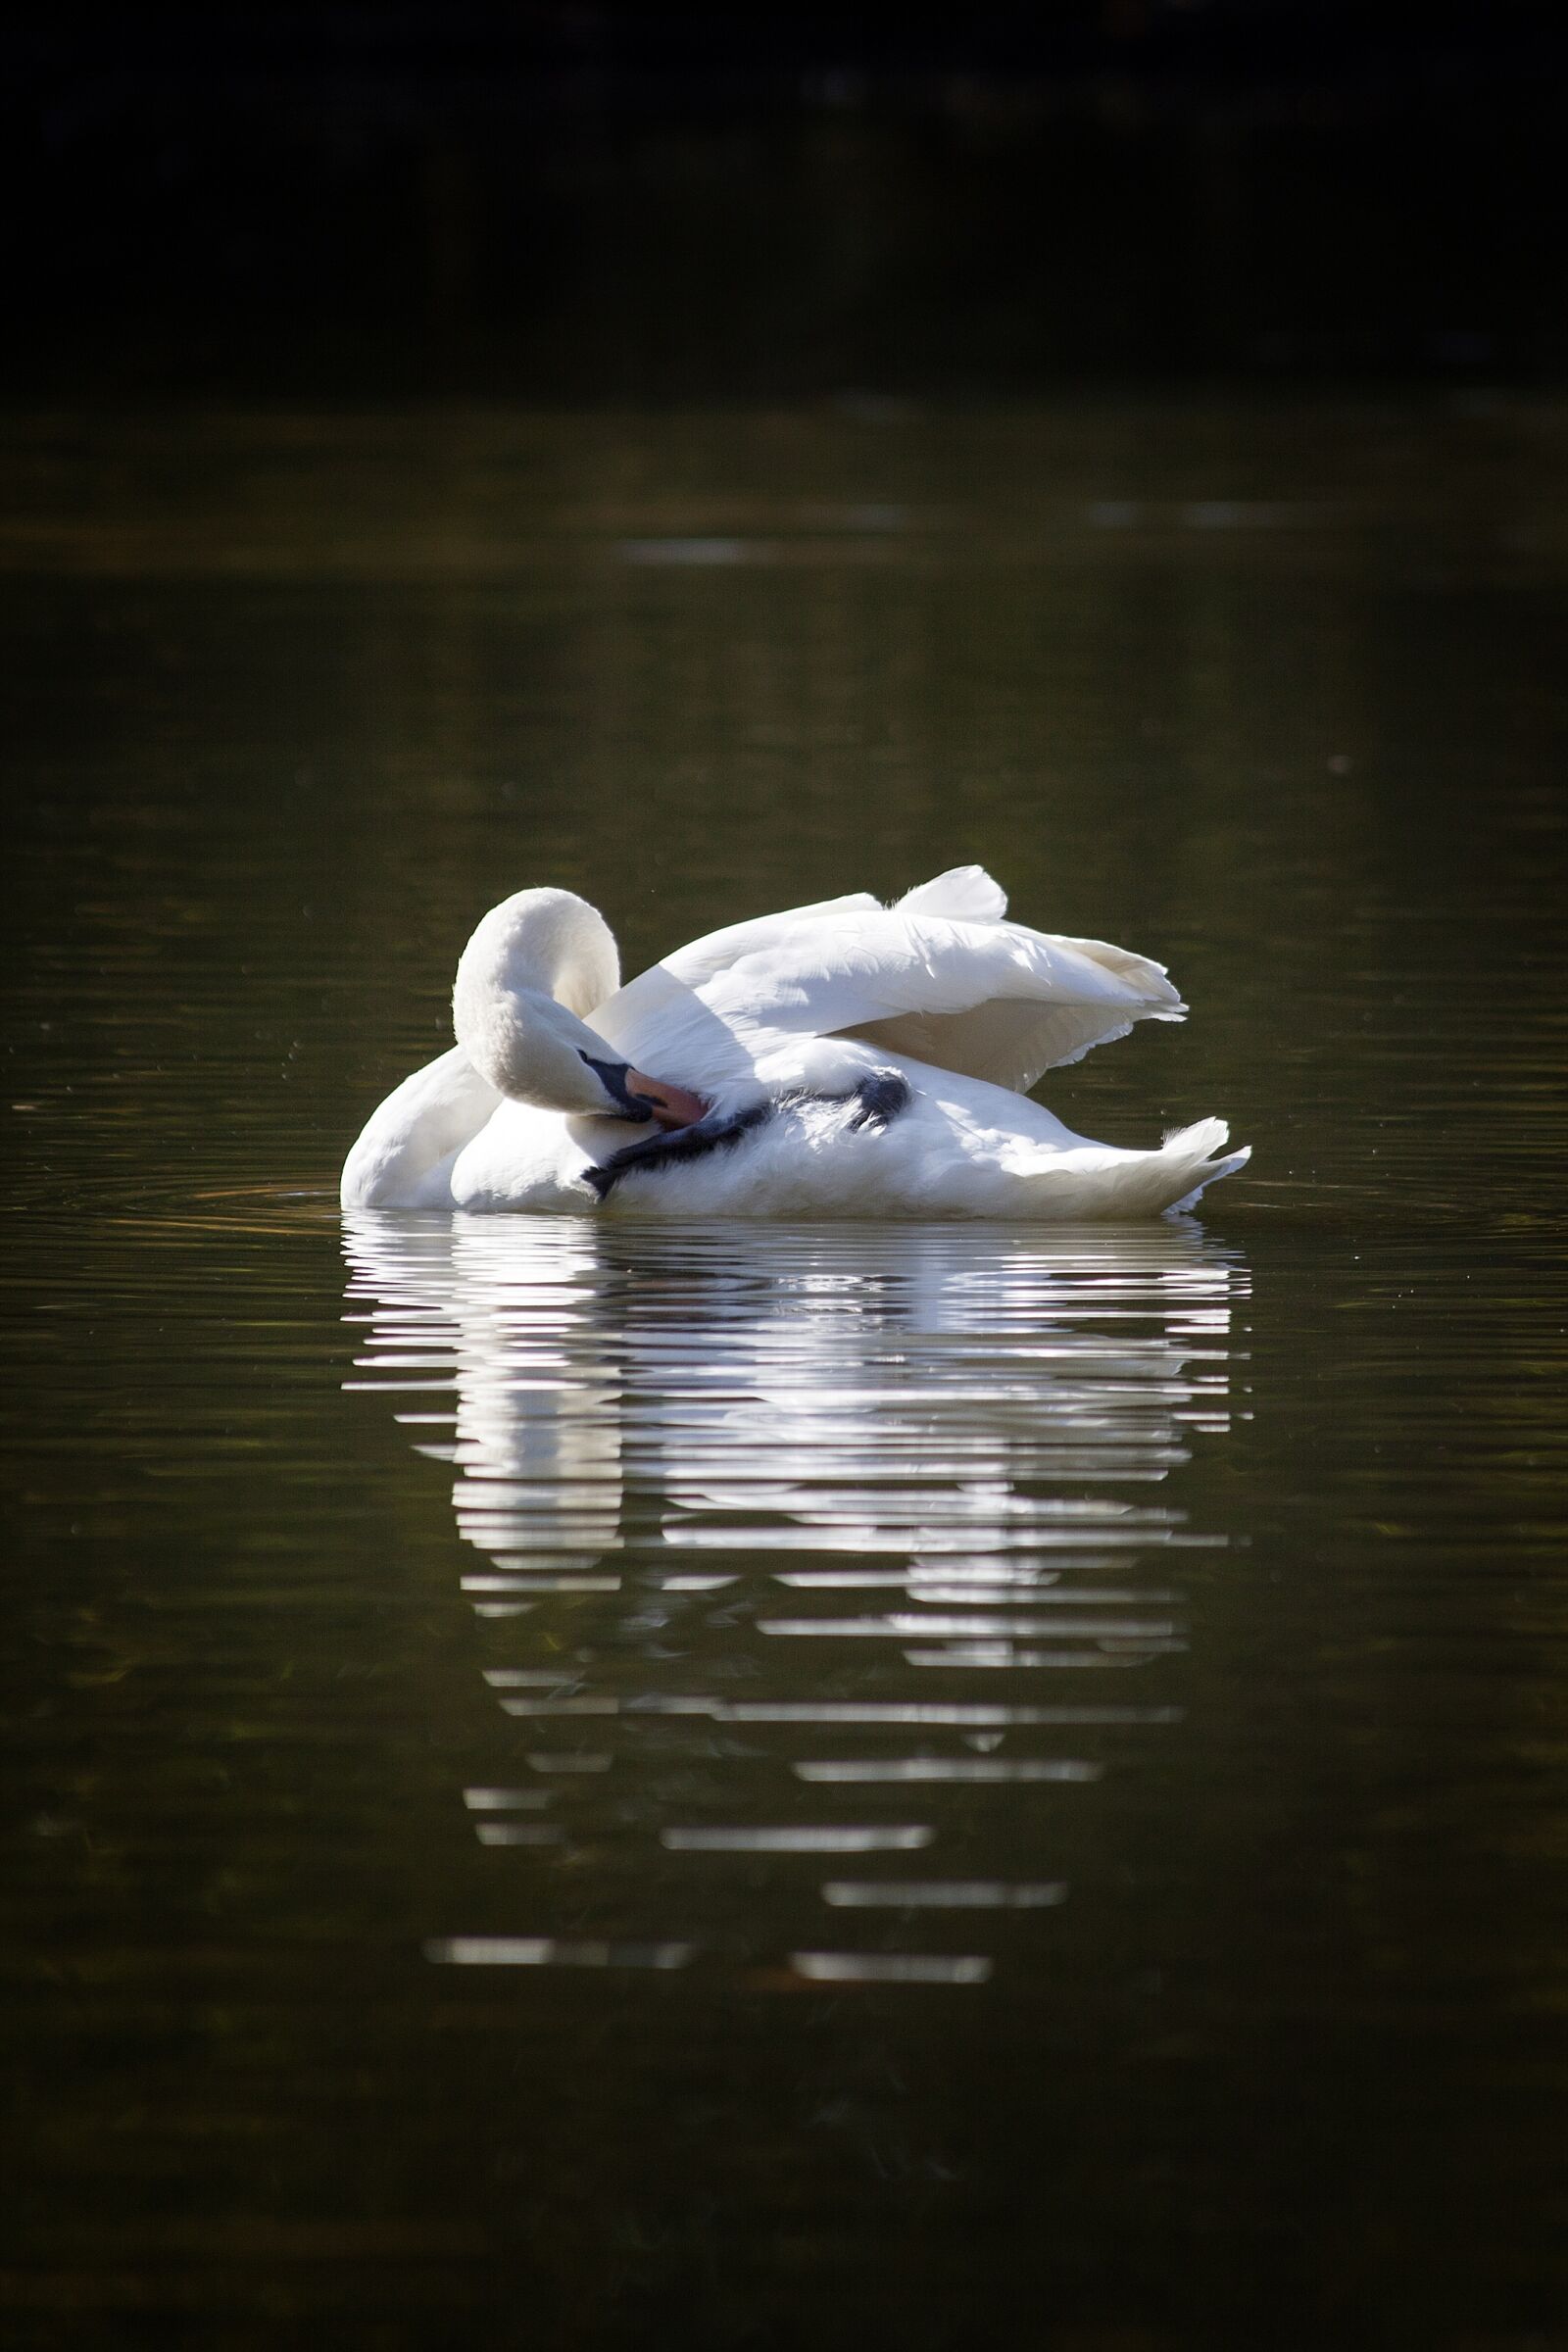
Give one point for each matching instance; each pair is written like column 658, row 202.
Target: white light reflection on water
column 941, row 1895
column 551, row 1952
column 947, row 1768
column 799, row 1839
column 892, row 1968
column 966, row 1404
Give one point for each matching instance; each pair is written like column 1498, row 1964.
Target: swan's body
column 846, row 1060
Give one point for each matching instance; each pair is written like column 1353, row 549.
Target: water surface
column 581, row 1782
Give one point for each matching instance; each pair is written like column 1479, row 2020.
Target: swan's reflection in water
column 815, row 1562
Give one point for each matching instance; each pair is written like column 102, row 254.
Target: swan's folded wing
column 965, row 892
column 663, row 1020
column 940, row 978
column 987, row 999
column 719, row 949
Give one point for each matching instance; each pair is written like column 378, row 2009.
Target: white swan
column 843, row 1060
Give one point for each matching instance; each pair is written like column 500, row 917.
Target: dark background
column 714, row 459
column 570, row 201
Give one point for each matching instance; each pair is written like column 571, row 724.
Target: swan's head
column 535, row 966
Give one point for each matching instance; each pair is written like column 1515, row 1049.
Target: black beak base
column 612, row 1076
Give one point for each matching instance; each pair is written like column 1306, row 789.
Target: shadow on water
column 818, row 1550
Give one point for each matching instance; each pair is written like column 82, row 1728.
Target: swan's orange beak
column 670, row 1105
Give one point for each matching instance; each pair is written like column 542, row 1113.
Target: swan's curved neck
column 548, row 940
column 536, row 963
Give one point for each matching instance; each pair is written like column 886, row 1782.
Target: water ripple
column 923, row 1438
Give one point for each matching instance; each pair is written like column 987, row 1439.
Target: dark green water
column 584, row 1784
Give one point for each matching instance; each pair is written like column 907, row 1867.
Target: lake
column 580, row 1783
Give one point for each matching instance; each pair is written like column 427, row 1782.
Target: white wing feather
column 966, row 891
column 940, row 978
column 664, row 1016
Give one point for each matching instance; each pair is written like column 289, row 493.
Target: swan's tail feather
column 1198, row 1148
column 1221, row 1167
column 1204, row 1135
column 1098, row 1181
